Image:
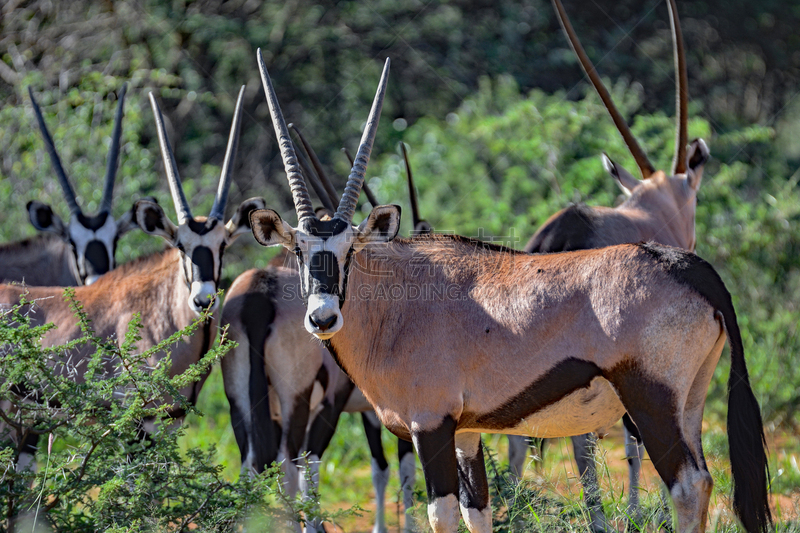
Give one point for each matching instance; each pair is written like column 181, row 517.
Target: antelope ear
column 151, row 218
column 625, row 179
column 381, row 225
column 43, row 219
column 270, row 230
column 127, row 222
column 240, row 221
column 696, row 159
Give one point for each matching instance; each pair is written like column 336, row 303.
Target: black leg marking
column 30, row 444
column 373, row 433
column 258, row 312
column 631, row 427
column 437, row 453
column 473, row 487
column 321, row 432
column 295, row 426
column 404, row 447
column 651, row 406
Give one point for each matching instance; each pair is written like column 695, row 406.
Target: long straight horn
column 681, row 92
column 69, row 194
column 412, row 191
column 373, row 201
column 174, row 179
column 330, row 191
column 347, row 206
column 302, row 200
column 113, row 154
column 311, row 176
column 218, row 209
column 636, row 151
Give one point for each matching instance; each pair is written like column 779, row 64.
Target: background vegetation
column 502, row 132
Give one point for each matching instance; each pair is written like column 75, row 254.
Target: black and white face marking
column 202, row 243
column 94, row 241
column 93, row 238
column 323, row 250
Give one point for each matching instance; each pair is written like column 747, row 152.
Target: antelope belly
column 590, row 409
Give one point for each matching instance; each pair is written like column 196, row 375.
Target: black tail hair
column 746, row 440
column 258, row 313
column 748, row 446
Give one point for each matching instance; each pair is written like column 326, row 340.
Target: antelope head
column 674, row 195
column 92, row 238
column 324, row 248
column 201, row 240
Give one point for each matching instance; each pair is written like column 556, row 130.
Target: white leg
column 443, row 514
column 584, row 446
column 380, row 478
column 26, row 461
column 309, row 483
column 408, row 476
column 634, row 450
column 517, row 452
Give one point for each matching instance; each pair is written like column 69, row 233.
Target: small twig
column 188, row 519
column 82, row 471
column 33, row 431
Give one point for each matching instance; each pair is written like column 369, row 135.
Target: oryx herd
column 624, row 321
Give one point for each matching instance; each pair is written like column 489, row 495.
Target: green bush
column 96, row 471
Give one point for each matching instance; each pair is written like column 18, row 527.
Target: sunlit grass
column 549, row 499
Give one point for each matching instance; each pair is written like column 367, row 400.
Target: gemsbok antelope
column 68, row 254
column 289, row 376
column 496, row 341
column 659, row 208
column 169, row 289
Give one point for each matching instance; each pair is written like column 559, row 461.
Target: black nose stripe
column 202, row 264
column 324, row 272
column 96, row 256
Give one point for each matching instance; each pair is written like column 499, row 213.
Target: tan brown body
column 152, row 287
column 604, row 306
column 41, row 260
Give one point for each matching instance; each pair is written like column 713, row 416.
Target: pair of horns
column 681, row 89
column 302, row 200
column 412, row 191
column 319, row 178
column 113, row 156
column 175, row 187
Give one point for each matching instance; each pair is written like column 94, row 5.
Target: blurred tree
column 744, row 60
column 487, row 94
